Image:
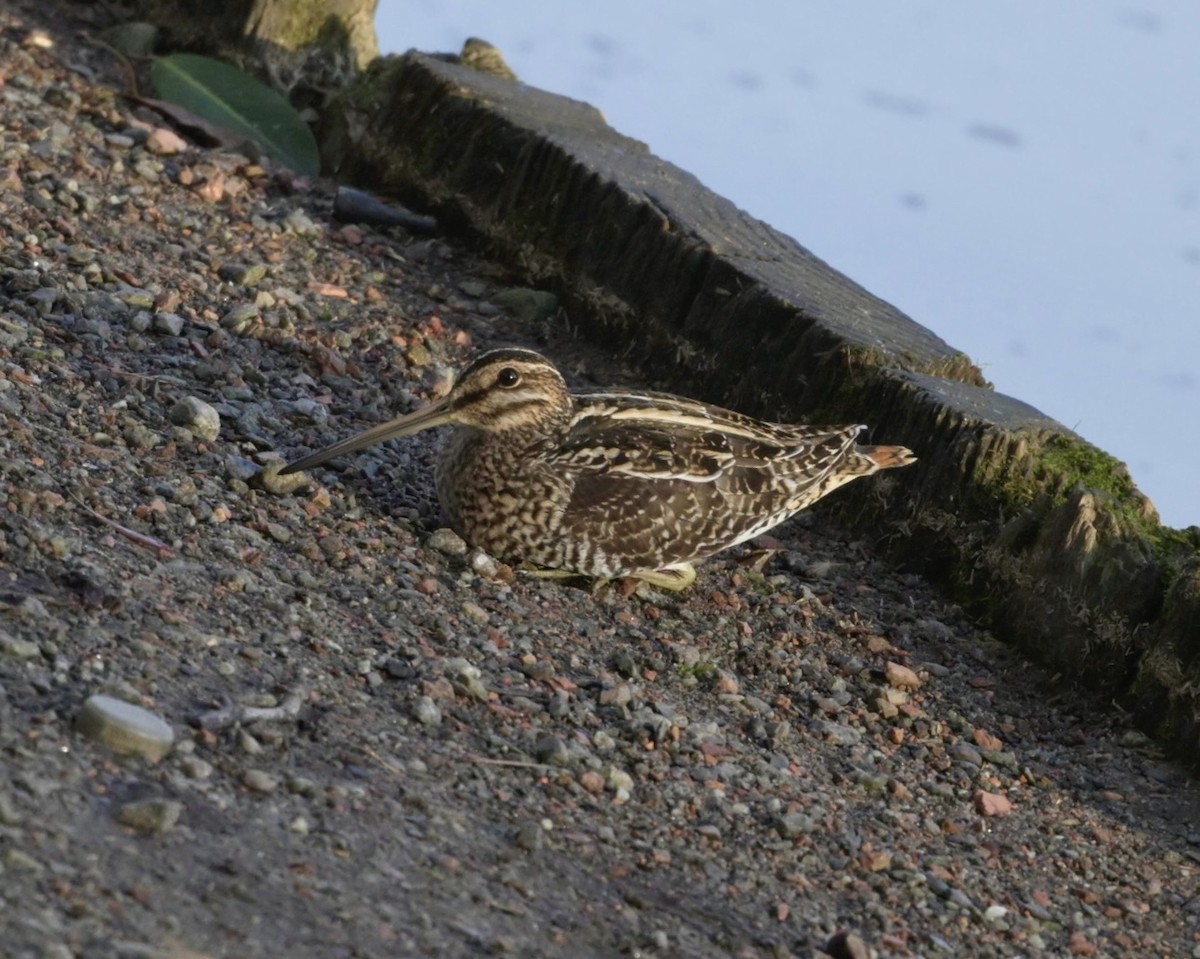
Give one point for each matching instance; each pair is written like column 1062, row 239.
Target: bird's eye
column 507, row 378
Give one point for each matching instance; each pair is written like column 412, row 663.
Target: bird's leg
column 545, row 572
column 674, row 578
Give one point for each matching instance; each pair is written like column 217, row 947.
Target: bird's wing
column 670, row 439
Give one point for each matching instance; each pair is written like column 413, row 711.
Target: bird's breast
column 501, row 494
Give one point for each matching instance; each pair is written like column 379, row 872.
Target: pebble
column 18, row 648
column 995, row 913
column 302, row 786
column 270, row 480
column 992, row 804
column 551, row 750
column 150, row 816
column 621, row 783
column 244, row 274
column 901, row 676
column 196, row 768
column 169, row 323
column 260, row 781
column 965, row 752
column 620, row 695
column 164, row 142
column 125, row 728
column 837, row 733
column 427, row 712
column 592, row 781
column 531, row 836
column 198, row 416
column 19, row 859
column 447, row 541
column 793, row 824
column 239, row 319
column 467, row 678
column 483, row 565
column 846, row 945
column 9, row 814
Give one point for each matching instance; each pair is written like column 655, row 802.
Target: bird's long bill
column 436, row 414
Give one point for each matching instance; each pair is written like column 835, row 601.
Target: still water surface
column 1021, row 178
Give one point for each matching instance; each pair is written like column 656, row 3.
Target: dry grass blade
column 131, row 534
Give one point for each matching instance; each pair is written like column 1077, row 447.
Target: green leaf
column 228, row 98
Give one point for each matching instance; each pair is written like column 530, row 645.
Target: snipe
column 609, row 483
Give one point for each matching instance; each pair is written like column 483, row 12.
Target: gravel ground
column 386, row 745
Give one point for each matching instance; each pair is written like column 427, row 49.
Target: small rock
column 483, row 565
column 624, row 663
column 269, row 480
column 551, row 750
column 592, row 781
column 901, row 676
column 793, row 824
column 18, row 859
column 621, row 783
column 302, row 786
column 196, row 768
column 169, row 323
column 312, row 410
column 244, row 274
column 531, row 836
column 164, row 142
column 136, row 299
column 447, row 541
column 846, row 945
column 150, row 816
column 125, row 728
column 18, row 648
column 260, row 781
column 239, row 319
column 302, row 224
column 466, row 678
column 427, row 712
column 9, row 814
column 194, row 414
column 992, row 804
column 726, row 683
column 620, row 695
column 139, row 437
column 966, row 753
column 837, row 733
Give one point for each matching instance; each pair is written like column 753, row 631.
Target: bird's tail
column 888, row 457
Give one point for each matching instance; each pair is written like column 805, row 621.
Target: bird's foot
column 674, row 578
column 546, row 572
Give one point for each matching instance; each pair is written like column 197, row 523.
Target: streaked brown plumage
column 608, row 483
